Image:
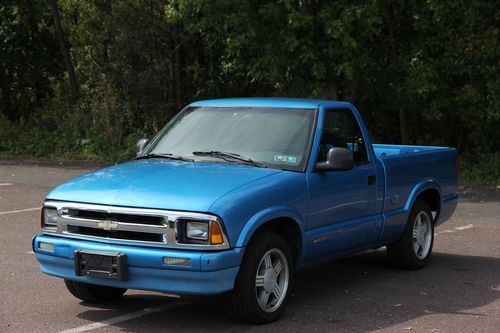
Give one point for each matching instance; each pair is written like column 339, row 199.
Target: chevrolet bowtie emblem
column 107, row 225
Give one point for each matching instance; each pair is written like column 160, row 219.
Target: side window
column 341, row 129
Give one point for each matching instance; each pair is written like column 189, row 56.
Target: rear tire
column 93, row 293
column 414, row 248
column 263, row 283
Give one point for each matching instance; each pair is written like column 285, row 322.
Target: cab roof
column 270, row 102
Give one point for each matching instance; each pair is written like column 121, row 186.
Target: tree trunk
column 349, row 91
column 402, row 126
column 331, row 91
column 178, row 68
column 5, row 91
column 64, row 50
column 394, row 54
column 33, row 49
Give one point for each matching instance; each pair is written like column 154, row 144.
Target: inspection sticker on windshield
column 286, row 159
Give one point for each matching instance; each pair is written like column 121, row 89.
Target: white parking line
column 461, row 228
column 119, row 319
column 6, row 184
column 464, row 227
column 20, row 210
column 446, row 231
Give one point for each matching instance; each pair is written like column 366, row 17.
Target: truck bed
column 384, row 150
column 407, row 169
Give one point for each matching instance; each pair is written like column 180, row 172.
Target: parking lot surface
column 459, row 290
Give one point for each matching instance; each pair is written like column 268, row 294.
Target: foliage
column 421, row 72
column 29, row 58
column 483, row 169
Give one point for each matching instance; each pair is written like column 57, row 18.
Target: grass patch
column 482, row 170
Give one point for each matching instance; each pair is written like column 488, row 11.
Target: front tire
column 414, row 248
column 262, row 287
column 93, row 293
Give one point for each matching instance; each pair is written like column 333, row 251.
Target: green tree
column 29, row 58
column 420, row 72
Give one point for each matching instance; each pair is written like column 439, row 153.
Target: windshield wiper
column 227, row 156
column 166, row 156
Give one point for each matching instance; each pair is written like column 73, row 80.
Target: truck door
column 342, row 204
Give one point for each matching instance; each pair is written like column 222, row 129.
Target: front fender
column 266, row 215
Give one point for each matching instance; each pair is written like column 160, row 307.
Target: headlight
column 197, row 230
column 49, row 217
column 200, row 232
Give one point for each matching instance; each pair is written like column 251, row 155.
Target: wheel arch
column 430, row 192
column 283, row 221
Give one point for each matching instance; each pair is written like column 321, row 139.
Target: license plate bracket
column 106, row 265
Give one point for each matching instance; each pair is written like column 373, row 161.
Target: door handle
column 372, row 180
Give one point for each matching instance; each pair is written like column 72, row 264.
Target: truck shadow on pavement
column 356, row 294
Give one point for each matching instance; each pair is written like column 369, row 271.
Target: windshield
column 272, row 137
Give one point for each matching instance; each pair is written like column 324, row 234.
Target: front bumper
column 209, row 273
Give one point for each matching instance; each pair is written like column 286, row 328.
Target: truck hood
column 161, row 184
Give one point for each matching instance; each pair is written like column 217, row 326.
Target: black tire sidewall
column 418, row 207
column 93, row 293
column 244, row 292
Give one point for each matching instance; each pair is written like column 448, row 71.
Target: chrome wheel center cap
column 270, row 279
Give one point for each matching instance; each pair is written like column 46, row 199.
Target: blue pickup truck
column 233, row 196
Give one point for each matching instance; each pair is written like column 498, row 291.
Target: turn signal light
column 177, row 261
column 46, row 246
column 216, row 234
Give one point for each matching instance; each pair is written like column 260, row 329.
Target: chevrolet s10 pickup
column 233, row 196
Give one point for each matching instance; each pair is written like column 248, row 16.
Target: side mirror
column 140, row 145
column 338, row 159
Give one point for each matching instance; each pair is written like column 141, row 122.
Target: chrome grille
column 146, row 226
column 116, row 234
column 116, row 217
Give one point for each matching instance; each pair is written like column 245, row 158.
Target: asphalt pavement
column 459, row 290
